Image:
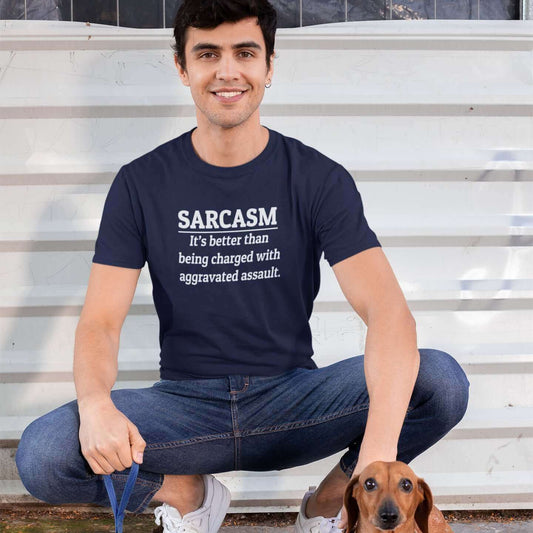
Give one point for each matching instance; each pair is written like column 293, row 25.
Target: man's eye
column 207, row 55
column 406, row 485
column 245, row 53
column 370, row 484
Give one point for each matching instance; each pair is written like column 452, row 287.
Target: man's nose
column 227, row 69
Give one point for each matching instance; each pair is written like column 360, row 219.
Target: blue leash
column 119, row 510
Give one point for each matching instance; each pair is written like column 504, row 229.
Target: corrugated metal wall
column 435, row 121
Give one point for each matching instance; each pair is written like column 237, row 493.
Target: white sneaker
column 207, row 519
column 317, row 524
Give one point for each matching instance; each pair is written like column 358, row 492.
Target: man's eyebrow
column 204, row 46
column 209, row 46
column 247, row 44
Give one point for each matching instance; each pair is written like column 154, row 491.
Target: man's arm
column 108, row 439
column 391, row 354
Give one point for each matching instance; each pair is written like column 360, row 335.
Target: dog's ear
column 424, row 507
column 351, row 505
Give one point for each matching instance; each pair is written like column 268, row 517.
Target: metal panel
column 526, row 9
column 155, row 13
column 434, row 119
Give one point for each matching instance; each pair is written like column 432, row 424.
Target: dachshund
column 389, row 496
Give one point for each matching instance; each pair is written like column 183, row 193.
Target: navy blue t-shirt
column 233, row 252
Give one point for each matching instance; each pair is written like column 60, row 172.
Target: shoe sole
column 215, row 521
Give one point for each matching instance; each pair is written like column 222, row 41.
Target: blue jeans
column 239, row 422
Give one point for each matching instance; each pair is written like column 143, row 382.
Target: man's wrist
column 101, row 399
column 369, row 456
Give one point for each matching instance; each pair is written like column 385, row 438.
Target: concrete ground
column 476, row 527
column 50, row 519
column 472, row 527
column 492, row 527
column 147, row 526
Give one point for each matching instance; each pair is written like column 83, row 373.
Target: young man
column 232, row 219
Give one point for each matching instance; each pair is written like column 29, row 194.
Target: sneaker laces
column 175, row 524
column 330, row 525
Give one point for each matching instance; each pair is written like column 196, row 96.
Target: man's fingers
column 100, row 465
column 106, row 459
column 124, row 456
column 95, row 467
column 137, row 443
column 116, row 455
column 342, row 522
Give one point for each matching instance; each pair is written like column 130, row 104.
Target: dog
column 389, row 496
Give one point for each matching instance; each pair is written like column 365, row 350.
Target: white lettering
column 227, row 219
column 270, row 220
column 222, row 223
column 211, row 218
column 197, row 221
column 184, row 219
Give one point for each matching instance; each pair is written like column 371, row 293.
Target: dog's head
column 387, row 495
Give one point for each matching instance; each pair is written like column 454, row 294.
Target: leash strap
column 119, row 509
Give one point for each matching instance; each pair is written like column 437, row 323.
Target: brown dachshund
column 390, row 496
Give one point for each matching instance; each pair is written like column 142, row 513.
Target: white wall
column 435, row 121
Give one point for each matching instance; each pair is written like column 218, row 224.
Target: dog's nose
column 388, row 514
column 388, row 517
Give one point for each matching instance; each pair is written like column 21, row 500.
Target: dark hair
column 212, row 13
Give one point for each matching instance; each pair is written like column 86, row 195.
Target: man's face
column 226, row 71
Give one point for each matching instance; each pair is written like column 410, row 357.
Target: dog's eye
column 370, row 484
column 406, row 485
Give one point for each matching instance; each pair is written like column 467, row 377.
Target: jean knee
column 449, row 385
column 30, row 461
column 45, row 456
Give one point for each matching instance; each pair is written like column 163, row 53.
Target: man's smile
column 228, row 94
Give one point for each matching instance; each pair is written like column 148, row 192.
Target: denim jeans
column 239, row 422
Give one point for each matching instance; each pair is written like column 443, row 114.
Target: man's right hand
column 109, row 440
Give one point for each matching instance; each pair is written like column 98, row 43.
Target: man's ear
column 270, row 72
column 424, row 507
column 352, row 507
column 181, row 71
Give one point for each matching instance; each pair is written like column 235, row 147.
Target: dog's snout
column 388, row 514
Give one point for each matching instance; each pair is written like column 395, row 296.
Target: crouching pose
column 232, row 219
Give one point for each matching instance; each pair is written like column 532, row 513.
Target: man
column 232, row 218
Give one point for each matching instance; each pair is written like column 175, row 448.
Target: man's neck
column 229, row 147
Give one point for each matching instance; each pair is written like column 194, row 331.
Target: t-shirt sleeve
column 120, row 241
column 340, row 224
